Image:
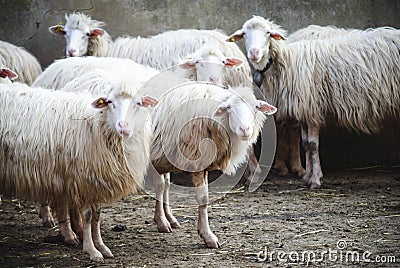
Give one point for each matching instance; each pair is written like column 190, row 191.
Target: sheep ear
column 57, row 30
column 148, row 101
column 236, row 36
column 96, row 32
column 5, row 72
column 231, row 62
column 100, row 103
column 222, row 109
column 188, row 64
column 277, row 36
column 267, row 108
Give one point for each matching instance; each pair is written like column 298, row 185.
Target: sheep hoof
column 306, row 178
column 211, row 240
column 164, row 227
column 97, row 259
column 299, row 172
column 106, row 252
column 49, row 223
column 282, row 171
column 315, row 186
column 175, row 225
column 96, row 256
column 72, row 241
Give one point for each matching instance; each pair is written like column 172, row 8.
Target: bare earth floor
column 352, row 221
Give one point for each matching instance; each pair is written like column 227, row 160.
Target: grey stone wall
column 25, row 24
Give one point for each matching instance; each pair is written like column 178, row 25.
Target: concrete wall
column 25, row 23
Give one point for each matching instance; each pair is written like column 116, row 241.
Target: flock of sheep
column 85, row 132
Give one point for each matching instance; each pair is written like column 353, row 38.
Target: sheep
column 99, row 76
column 352, row 79
column 289, row 132
column 230, row 118
column 23, row 63
column 73, row 155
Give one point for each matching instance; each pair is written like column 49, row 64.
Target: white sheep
column 289, row 132
column 23, row 63
column 65, row 152
column 352, row 80
column 185, row 118
column 98, row 76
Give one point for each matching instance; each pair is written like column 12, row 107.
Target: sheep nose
column 245, row 130
column 71, row 52
column 254, row 51
column 122, row 124
column 214, row 79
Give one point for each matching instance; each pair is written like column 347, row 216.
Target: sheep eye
column 138, row 103
column 88, row 34
column 109, row 102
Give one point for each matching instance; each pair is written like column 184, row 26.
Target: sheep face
column 257, row 33
column 209, row 63
column 242, row 115
column 77, row 32
column 121, row 111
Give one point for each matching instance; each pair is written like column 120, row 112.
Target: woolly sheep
column 24, row 64
column 98, row 76
column 352, row 79
column 228, row 117
column 289, row 132
column 73, row 155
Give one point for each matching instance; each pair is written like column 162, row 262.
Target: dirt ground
column 352, row 221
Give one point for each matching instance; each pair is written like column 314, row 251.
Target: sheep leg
column 88, row 245
column 69, row 236
column 312, row 154
column 294, row 149
column 76, row 221
column 167, row 209
column 304, row 137
column 97, row 240
column 45, row 215
column 161, row 220
column 253, row 170
column 282, row 150
column 200, row 182
column 397, row 133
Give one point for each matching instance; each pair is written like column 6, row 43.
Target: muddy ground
column 353, row 220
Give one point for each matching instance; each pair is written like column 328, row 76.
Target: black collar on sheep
column 258, row 76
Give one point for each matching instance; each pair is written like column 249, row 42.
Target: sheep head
column 242, row 114
column 259, row 34
column 123, row 109
column 208, row 63
column 78, row 31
